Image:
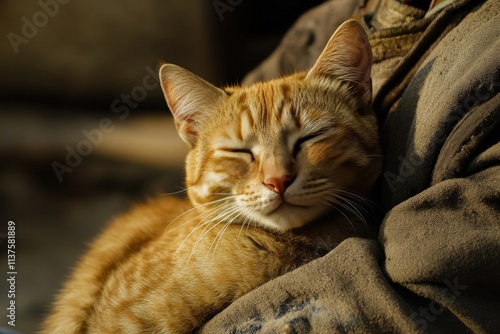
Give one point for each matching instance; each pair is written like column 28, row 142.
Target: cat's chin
column 286, row 217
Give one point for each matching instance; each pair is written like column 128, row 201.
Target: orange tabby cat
column 272, row 173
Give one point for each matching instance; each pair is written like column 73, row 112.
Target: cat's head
column 280, row 153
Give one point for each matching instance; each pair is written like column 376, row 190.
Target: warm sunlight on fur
column 277, row 175
column 279, row 152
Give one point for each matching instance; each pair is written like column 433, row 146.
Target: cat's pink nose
column 279, row 184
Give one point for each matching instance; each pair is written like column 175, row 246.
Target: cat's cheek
column 209, row 187
column 237, row 168
column 317, row 154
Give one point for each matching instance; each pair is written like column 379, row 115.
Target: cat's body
column 136, row 280
column 273, row 173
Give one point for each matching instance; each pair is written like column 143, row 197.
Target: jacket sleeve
column 444, row 245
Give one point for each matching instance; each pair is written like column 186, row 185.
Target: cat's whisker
column 360, row 203
column 368, row 207
column 182, row 214
column 350, row 206
column 219, row 235
column 202, row 223
column 221, row 232
column 197, row 227
column 188, row 221
column 183, row 190
column 334, row 206
column 246, row 222
column 228, row 213
column 225, row 210
column 361, row 198
column 195, row 208
column 220, row 217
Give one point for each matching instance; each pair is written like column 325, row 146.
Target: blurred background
column 84, row 129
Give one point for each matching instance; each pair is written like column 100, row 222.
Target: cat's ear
column 347, row 56
column 190, row 99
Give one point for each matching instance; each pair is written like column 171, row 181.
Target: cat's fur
column 273, row 174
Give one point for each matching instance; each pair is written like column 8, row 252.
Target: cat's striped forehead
column 264, row 108
column 265, row 112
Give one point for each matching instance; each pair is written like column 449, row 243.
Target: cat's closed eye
column 301, row 141
column 242, row 151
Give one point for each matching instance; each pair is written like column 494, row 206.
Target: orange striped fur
column 275, row 176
